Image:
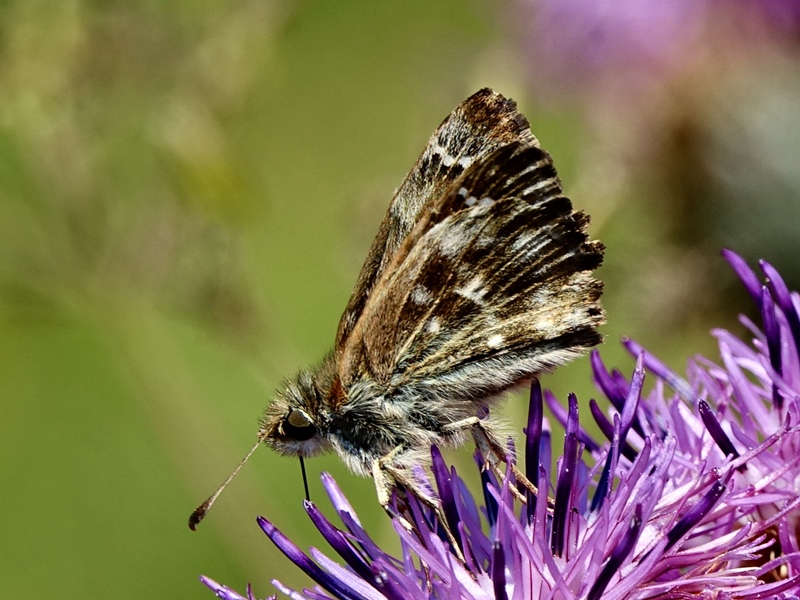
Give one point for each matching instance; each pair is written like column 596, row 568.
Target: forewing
column 494, row 283
column 480, row 125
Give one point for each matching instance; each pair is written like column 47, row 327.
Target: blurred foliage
column 187, row 190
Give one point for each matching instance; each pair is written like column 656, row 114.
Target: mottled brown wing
column 477, row 127
column 492, row 286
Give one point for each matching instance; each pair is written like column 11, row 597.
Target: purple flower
column 694, row 493
column 620, row 46
column 570, row 41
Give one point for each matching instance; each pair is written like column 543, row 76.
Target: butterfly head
column 294, row 424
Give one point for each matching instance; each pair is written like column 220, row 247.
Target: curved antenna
column 201, row 511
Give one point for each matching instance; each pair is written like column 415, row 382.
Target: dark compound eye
column 297, row 426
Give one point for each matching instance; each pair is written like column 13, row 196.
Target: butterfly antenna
column 305, row 479
column 201, row 511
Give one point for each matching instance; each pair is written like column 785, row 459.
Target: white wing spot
column 471, row 201
column 462, row 191
column 537, row 186
column 495, row 341
column 530, row 244
column 452, row 242
column 447, row 159
column 485, row 241
column 421, row 295
column 433, row 325
column 466, row 161
column 473, row 291
column 485, row 201
column 548, row 325
column 520, row 243
column 535, row 167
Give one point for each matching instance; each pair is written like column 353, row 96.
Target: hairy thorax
column 375, row 422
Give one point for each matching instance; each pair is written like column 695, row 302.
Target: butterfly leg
column 486, row 441
column 388, row 477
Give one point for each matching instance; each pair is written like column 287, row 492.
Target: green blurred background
column 187, row 191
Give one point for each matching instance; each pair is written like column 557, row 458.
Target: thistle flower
column 695, row 492
column 624, row 46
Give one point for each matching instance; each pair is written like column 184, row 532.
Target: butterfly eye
column 297, row 426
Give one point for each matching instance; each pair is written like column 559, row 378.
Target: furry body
column 480, row 278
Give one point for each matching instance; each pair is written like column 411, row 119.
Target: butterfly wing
column 477, row 127
column 492, row 285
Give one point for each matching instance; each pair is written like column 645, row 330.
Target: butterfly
column 480, row 279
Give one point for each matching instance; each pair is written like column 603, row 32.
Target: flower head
column 694, row 492
column 620, row 47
